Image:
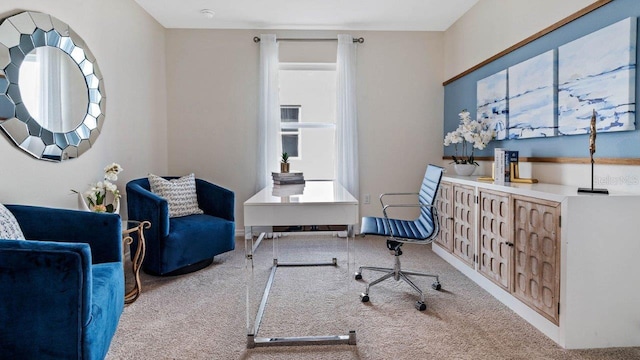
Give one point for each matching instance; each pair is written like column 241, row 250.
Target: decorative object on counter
column 284, row 163
column 103, row 196
column 506, row 168
column 515, row 175
column 498, row 169
column 592, row 150
column 464, row 169
column 472, row 134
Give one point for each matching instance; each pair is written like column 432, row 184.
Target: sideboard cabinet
column 564, row 262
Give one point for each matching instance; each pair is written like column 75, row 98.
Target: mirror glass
column 53, row 89
column 52, row 98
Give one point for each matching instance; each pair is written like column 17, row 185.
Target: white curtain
column 269, row 143
column 347, row 116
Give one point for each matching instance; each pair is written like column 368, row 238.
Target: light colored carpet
column 203, row 315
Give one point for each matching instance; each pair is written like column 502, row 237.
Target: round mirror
column 52, row 99
column 52, row 89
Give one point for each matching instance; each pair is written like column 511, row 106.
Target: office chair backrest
column 427, row 194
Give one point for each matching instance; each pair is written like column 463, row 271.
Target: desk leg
column 253, row 340
column 248, row 263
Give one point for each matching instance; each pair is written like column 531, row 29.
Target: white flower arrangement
column 96, row 196
column 469, row 132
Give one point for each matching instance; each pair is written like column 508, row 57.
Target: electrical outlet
column 367, row 198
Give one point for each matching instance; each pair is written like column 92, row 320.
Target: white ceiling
column 409, row 15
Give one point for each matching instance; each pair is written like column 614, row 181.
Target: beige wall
column 129, row 47
column 494, row 25
column 212, row 78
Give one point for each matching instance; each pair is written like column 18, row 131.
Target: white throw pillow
column 9, row 227
column 180, row 194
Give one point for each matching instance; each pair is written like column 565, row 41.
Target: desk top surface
column 313, row 192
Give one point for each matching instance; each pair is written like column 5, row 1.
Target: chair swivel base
column 397, row 275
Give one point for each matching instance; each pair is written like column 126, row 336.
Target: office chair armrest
column 394, row 194
column 434, row 209
column 384, row 209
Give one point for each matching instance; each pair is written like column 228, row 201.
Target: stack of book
column 287, row 184
column 504, row 161
column 290, row 178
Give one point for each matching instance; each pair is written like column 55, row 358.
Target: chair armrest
column 103, row 232
column 142, row 205
column 394, row 194
column 45, row 286
column 215, row 200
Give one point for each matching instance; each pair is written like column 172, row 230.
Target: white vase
column 82, row 204
column 464, row 169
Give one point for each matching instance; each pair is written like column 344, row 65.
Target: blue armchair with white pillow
column 61, row 289
column 192, row 220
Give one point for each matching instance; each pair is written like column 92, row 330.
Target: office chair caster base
column 436, row 285
column 421, row 306
column 358, row 276
column 364, row 297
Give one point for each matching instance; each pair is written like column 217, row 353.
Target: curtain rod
column 360, row 40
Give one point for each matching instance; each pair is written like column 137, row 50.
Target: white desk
column 320, row 203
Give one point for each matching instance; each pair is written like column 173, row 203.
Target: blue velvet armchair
column 62, row 289
column 183, row 244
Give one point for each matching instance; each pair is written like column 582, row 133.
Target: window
column 308, row 122
column 289, row 119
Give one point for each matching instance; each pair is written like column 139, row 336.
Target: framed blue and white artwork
column 532, row 106
column 492, row 102
column 597, row 72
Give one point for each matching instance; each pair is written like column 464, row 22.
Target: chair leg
column 436, row 284
column 398, row 274
column 414, row 286
column 364, row 297
column 374, row 268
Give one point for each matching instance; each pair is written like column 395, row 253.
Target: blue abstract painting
column 492, row 102
column 597, row 72
column 531, row 97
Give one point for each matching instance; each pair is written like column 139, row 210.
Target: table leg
column 253, row 340
column 136, row 263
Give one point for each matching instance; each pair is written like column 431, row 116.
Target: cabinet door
column 444, row 204
column 464, row 216
column 537, row 254
column 494, row 245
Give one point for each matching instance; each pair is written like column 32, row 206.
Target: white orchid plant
column 472, row 134
column 96, row 196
